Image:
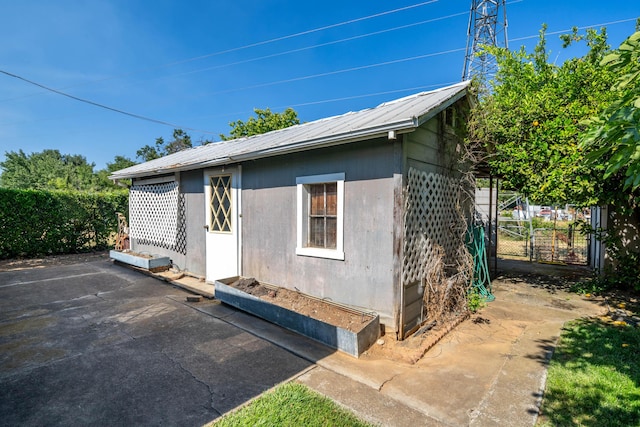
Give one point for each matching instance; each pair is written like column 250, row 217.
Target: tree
column 119, row 162
column 613, row 142
column 532, row 121
column 47, row 170
column 265, row 121
column 565, row 134
column 181, row 141
column 613, row 151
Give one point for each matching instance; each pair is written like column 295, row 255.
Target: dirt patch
column 387, row 347
column 53, row 260
column 304, row 304
column 137, row 254
column 622, row 308
column 414, row 347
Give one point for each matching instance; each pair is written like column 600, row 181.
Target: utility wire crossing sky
column 105, row 79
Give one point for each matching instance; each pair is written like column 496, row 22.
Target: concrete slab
column 96, row 344
column 364, row 401
column 488, row 372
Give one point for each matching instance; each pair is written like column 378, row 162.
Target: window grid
column 323, row 215
column 220, row 205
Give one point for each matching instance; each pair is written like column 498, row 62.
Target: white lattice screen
column 156, row 215
column 431, row 220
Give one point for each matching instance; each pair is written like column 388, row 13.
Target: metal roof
column 401, row 115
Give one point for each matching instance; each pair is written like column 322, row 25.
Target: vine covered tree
column 613, row 142
column 264, row 121
column 532, row 121
column 569, row 133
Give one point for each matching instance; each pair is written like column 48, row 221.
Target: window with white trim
column 320, row 216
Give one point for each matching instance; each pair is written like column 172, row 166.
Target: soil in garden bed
column 305, row 305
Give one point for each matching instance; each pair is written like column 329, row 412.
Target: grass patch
column 290, row 404
column 594, row 376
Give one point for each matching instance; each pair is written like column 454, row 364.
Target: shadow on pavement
column 96, row 344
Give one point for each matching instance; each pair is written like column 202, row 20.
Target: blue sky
column 201, row 64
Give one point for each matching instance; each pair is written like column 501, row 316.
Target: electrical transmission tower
column 487, row 26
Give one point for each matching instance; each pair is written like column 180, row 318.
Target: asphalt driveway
column 98, row 344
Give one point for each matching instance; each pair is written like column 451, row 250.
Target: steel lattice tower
column 487, row 26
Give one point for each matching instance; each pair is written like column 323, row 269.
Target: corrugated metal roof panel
column 401, row 115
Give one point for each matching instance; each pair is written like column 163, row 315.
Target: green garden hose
column 481, row 278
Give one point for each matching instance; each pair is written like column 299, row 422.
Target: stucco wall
column 365, row 277
column 626, row 228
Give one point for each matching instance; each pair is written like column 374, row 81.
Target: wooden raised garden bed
column 343, row 328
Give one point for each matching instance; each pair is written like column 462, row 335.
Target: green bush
column 623, row 273
column 50, row 222
column 475, row 300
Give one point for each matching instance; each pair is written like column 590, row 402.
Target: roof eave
column 442, row 106
column 404, row 126
column 166, row 170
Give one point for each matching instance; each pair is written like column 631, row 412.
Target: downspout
column 239, row 207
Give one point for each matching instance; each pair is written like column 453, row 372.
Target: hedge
column 34, row 223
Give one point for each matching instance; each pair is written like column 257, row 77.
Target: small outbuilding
column 348, row 208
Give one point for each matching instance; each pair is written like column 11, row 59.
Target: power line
column 265, row 42
column 584, row 27
column 368, row 95
column 389, row 63
column 302, row 33
column 106, row 107
column 330, row 73
column 361, row 36
column 269, row 41
column 344, row 98
column 327, row 44
column 396, row 61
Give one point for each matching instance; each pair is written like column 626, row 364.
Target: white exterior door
column 222, row 204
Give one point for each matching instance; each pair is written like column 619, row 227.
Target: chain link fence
column 514, row 239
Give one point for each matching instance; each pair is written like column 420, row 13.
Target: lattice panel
column 431, row 220
column 154, row 214
column 181, row 235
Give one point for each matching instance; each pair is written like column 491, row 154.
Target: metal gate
column 565, row 245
